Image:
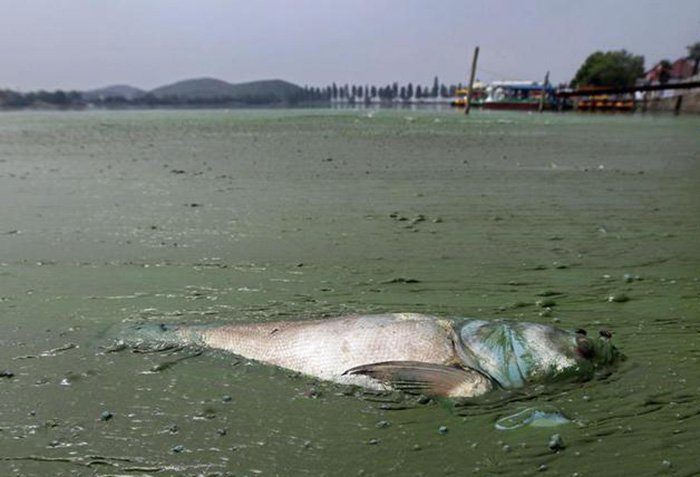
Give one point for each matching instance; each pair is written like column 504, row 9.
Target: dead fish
column 451, row 357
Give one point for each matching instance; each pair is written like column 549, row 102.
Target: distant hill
column 198, row 88
column 267, row 89
column 115, row 91
column 210, row 89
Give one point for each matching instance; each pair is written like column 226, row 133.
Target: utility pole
column 471, row 80
column 677, row 106
column 544, row 92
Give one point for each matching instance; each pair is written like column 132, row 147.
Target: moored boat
column 595, row 101
column 518, row 95
column 462, row 94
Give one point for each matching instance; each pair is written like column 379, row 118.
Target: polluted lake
column 112, row 219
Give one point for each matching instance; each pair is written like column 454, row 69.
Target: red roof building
column 680, row 69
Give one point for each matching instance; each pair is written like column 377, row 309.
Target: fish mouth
column 600, row 350
column 606, row 353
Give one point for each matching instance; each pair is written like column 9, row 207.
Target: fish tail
column 160, row 336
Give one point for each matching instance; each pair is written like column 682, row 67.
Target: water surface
column 234, row 216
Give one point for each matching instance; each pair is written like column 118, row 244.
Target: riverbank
column 689, row 102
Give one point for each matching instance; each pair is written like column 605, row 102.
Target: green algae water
column 114, row 218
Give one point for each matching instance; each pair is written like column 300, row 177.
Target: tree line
column 389, row 92
column 58, row 98
column 350, row 93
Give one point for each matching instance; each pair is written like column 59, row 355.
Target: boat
column 461, row 95
column 604, row 102
column 518, row 95
column 460, row 99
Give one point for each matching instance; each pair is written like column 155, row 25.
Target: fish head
column 515, row 354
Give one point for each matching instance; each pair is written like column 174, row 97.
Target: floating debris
column 401, row 280
column 6, row 374
column 546, row 416
column 106, row 416
column 547, row 293
column 388, row 406
column 618, row 298
column 556, row 443
column 547, row 311
column 49, row 353
column 168, row 364
column 546, row 303
column 313, row 393
column 443, row 429
column 60, row 349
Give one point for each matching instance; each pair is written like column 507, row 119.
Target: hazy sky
column 83, row 44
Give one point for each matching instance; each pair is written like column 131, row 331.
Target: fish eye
column 584, row 347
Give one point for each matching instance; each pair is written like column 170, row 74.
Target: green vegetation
column 214, row 91
column 200, row 88
column 58, row 99
column 610, row 68
column 123, row 91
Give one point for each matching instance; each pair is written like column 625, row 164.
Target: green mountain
column 210, row 89
column 116, row 91
column 200, row 88
column 275, row 89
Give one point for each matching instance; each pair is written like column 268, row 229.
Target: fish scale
column 328, row 348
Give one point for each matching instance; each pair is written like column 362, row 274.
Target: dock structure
column 627, row 89
column 609, row 98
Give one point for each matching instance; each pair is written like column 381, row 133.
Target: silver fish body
column 453, row 357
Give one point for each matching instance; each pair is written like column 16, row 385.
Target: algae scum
column 112, row 218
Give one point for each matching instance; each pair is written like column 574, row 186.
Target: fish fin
column 426, row 378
